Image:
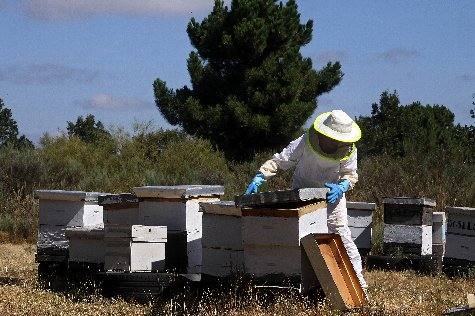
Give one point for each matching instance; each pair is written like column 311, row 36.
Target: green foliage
column 410, row 150
column 251, row 87
column 87, row 129
column 18, row 217
column 9, row 130
column 398, row 130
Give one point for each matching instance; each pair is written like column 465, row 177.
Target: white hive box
column 177, row 208
column 59, row 210
column 408, row 225
column 271, row 237
column 360, row 222
column 460, row 243
column 439, row 227
column 222, row 251
column 69, row 208
column 120, row 209
column 418, row 238
column 136, row 248
column 86, row 244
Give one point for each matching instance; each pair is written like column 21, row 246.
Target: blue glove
column 337, row 190
column 255, row 184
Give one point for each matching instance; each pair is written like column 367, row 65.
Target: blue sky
column 61, row 59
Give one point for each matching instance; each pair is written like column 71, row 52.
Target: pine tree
column 9, row 130
column 398, row 129
column 251, row 89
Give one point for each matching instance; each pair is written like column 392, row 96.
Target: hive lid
column 63, row 195
column 462, row 210
column 113, row 199
column 409, row 200
column 325, row 257
column 281, row 197
column 221, row 208
column 360, row 205
column 137, row 232
column 179, row 191
column 85, row 231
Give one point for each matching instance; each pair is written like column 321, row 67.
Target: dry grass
column 20, row 293
column 393, row 293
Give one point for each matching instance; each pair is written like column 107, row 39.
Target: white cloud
column 46, row 73
column 331, row 55
column 398, row 55
column 78, row 9
column 103, row 101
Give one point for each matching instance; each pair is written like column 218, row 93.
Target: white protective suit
column 312, row 169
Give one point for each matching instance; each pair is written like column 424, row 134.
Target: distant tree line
column 397, row 130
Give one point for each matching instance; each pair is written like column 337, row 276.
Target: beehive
column 177, row 208
column 135, row 249
column 360, row 222
column 408, row 225
column 58, row 210
column 460, row 243
column 120, row 209
column 222, row 251
column 271, row 237
column 86, row 244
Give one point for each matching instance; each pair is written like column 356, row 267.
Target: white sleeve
column 284, row 160
column 348, row 169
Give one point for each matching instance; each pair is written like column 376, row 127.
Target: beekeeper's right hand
column 256, row 182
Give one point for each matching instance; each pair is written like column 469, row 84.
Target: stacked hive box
column 86, row 246
column 177, row 208
column 360, row 222
column 460, row 242
column 272, row 225
column 130, row 247
column 222, row 252
column 120, row 210
column 135, row 248
column 59, row 210
column 408, row 226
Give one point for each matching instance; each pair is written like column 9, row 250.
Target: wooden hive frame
column 334, row 271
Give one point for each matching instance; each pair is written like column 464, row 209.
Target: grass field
column 392, row 293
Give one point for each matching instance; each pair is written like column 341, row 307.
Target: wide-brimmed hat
column 337, row 125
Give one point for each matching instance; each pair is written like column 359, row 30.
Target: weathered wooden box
column 222, row 251
column 271, row 237
column 177, row 208
column 460, row 242
column 52, row 244
column 86, row 244
column 135, row 248
column 325, row 262
column 120, row 209
column 408, row 226
column 360, row 222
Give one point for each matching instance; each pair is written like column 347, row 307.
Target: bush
column 156, row 157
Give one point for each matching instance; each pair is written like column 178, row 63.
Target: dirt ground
column 392, row 293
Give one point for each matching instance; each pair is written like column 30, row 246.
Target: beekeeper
column 324, row 156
